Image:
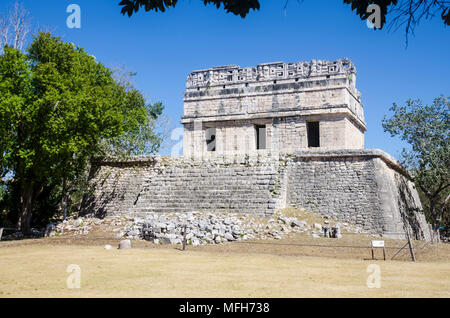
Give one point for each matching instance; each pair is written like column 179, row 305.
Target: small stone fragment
column 124, row 245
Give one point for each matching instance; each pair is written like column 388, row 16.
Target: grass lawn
column 39, row 270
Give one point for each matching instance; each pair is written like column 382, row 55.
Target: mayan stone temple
column 259, row 139
column 277, row 107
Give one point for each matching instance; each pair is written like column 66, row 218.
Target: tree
column 15, row 28
column 57, row 106
column 142, row 141
column 405, row 12
column 426, row 129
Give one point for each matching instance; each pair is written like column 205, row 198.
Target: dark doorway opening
column 313, row 134
column 211, row 139
column 260, row 136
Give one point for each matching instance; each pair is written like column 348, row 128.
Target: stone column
column 275, row 136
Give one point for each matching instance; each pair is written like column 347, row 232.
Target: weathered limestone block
column 124, row 245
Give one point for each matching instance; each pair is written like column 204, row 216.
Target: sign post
column 378, row 244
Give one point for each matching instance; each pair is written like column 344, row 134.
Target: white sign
column 377, row 243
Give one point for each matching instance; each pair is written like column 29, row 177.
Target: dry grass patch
column 40, row 271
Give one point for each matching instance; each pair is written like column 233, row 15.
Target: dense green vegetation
column 59, row 108
column 426, row 129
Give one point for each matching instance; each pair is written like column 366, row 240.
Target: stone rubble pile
column 201, row 227
column 73, row 226
column 79, row 226
column 215, row 228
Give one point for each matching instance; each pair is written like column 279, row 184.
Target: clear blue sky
column 164, row 47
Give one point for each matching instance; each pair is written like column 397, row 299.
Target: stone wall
column 364, row 187
column 178, row 184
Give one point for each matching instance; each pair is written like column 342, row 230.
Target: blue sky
column 164, row 47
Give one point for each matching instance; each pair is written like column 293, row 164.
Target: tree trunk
column 25, row 208
column 435, row 221
column 64, row 199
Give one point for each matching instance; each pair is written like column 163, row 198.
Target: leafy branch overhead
column 360, row 6
column 406, row 13
column 237, row 7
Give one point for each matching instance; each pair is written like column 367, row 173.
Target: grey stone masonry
column 362, row 187
column 230, row 102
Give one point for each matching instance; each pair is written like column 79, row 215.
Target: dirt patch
column 350, row 246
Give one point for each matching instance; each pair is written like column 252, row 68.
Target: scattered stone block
column 125, row 244
column 317, row 226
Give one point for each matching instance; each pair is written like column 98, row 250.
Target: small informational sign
column 377, row 243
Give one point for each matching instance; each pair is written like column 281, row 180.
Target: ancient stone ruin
column 263, row 138
column 274, row 107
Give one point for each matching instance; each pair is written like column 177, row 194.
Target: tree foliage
column 405, row 12
column 426, row 129
column 237, row 7
column 360, row 8
column 58, row 107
